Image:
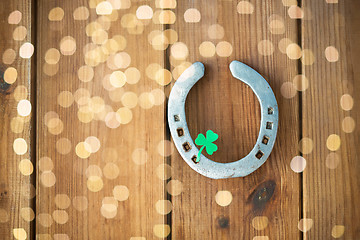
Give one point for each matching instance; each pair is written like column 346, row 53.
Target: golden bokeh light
column 52, row 56
column 283, row 44
column 348, row 124
column 48, row 178
column 307, row 57
column 20, row 146
column 111, row 171
column 81, row 150
column 346, row 102
column 338, row 231
column 161, row 230
column 216, row 31
column 9, row 56
column 81, row 13
column 159, row 96
column 265, row 48
column 104, row 8
column 260, row 222
column 56, row 14
column 224, row 49
column 293, row 51
column 19, row 33
column 331, row 54
column 163, row 77
column 301, row 82
column 112, row 120
column 60, row 216
column 163, row 171
column 288, row 90
column 10, row 75
column 15, row 17
column 333, row 142
column 245, row 7
column 124, row 115
column 27, row 214
column 67, row 45
column 26, row 50
column 306, row 145
column 45, row 164
column 223, row 198
column 95, row 183
column 174, row 187
column 298, row 164
column 163, row 207
column 207, row 49
column 26, row 167
column 44, row 219
column 295, row 12
column 192, row 15
column 117, row 79
column 179, row 50
column 65, row 99
column 19, row 233
column 80, row 203
column 121, row 193
column 332, row 160
column 146, row 100
column 63, row 146
column 144, row 12
column 17, row 124
column 139, row 156
column 62, row 201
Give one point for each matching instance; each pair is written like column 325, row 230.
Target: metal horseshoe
column 184, row 143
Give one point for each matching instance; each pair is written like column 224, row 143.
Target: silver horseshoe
column 181, row 135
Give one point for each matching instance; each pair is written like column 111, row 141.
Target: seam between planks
column 167, row 136
column 300, row 72
column 33, row 131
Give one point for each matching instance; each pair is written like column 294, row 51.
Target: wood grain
column 331, row 194
column 229, row 107
column 136, row 216
column 17, row 191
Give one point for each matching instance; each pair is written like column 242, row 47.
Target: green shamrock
column 207, row 142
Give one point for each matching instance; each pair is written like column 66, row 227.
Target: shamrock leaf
column 207, row 142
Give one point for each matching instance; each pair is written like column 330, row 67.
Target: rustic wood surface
column 330, row 182
column 77, row 177
column 17, row 192
column 103, row 164
column 230, row 108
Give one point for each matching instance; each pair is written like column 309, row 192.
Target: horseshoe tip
column 199, row 66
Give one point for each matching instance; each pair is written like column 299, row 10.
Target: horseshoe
column 181, row 135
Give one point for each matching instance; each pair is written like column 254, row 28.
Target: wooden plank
column 111, row 192
column 331, row 183
column 17, row 191
column 267, row 202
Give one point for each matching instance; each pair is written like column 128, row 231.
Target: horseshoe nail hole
column 265, row 140
column 269, row 125
column 259, row 154
column 186, row 146
column 194, row 159
column 270, row 110
column 180, row 132
column 176, row 118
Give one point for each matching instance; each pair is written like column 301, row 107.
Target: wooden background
column 88, row 155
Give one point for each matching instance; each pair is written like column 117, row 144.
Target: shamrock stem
column 198, row 156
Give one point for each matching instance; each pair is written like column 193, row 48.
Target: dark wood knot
column 262, row 194
column 223, row 221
